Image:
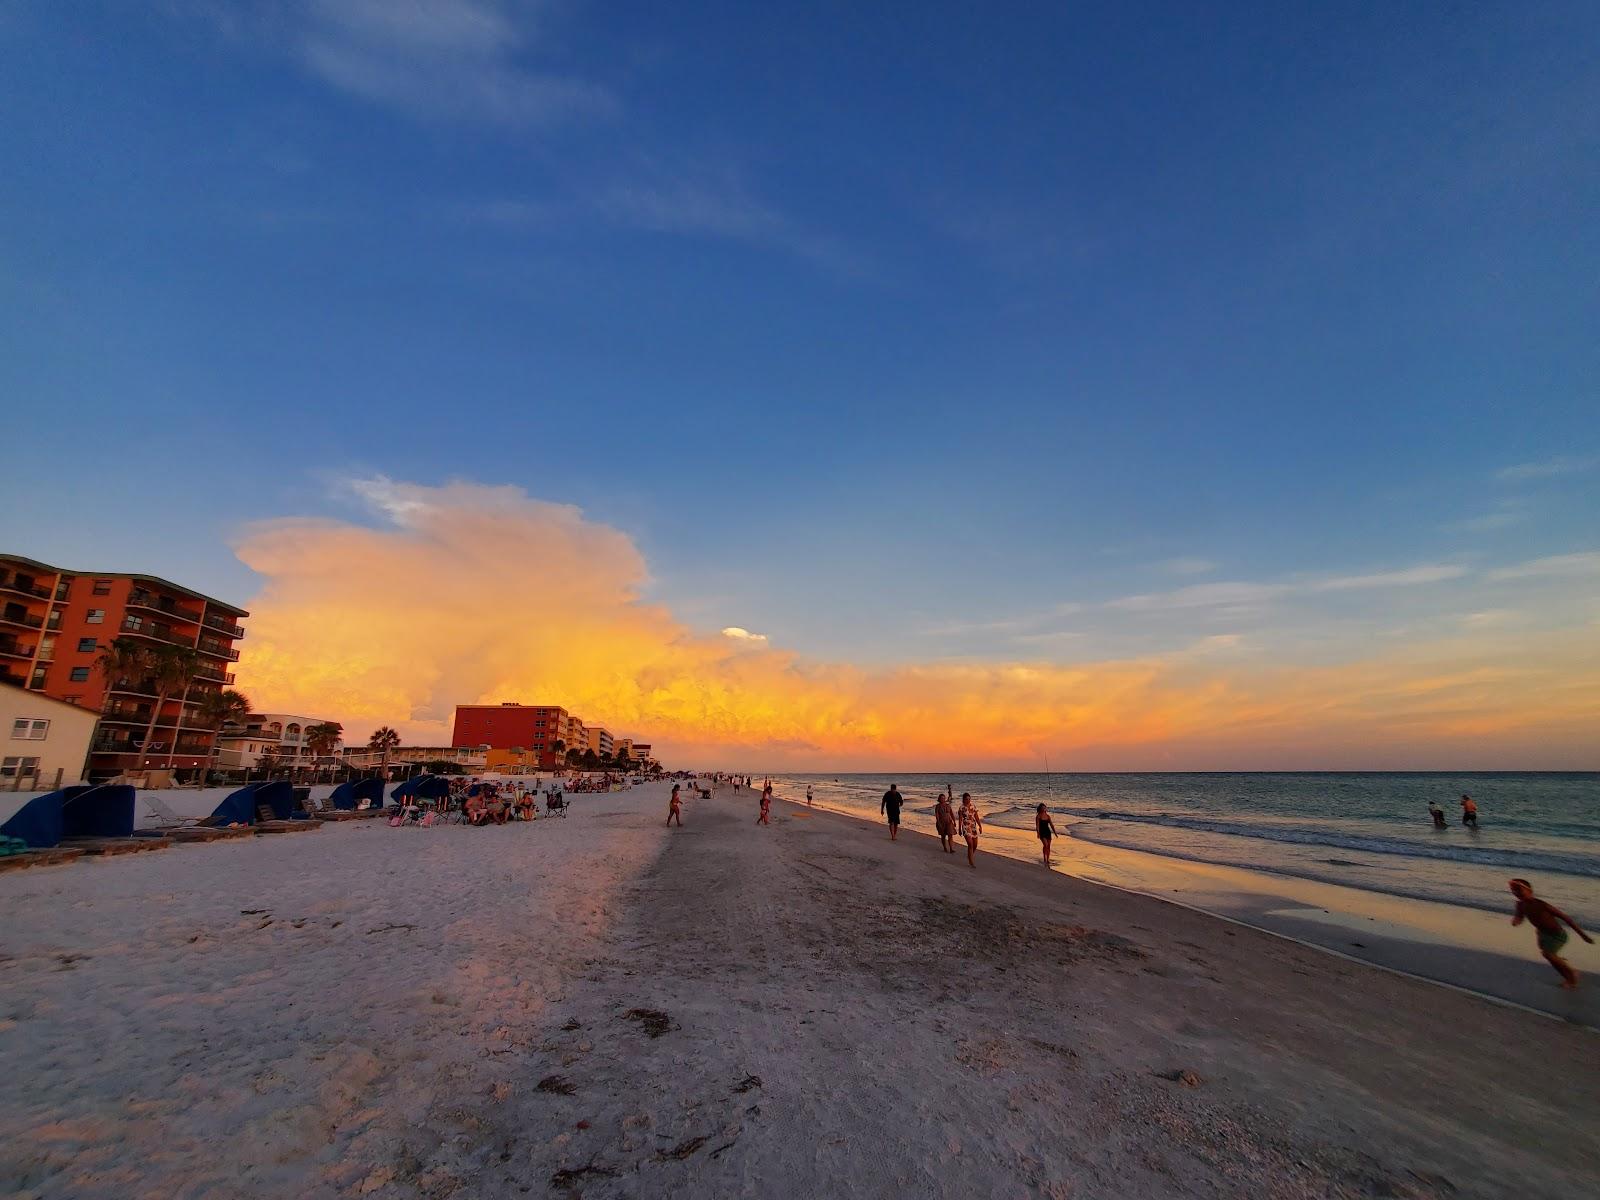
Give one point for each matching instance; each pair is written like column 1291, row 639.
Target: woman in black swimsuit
column 1046, row 829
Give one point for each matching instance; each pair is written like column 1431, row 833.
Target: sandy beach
column 601, row 1006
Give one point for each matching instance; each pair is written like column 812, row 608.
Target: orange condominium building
column 532, row 728
column 55, row 623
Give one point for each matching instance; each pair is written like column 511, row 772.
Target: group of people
column 1469, row 813
column 965, row 822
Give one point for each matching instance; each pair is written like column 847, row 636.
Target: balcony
column 161, row 604
column 11, row 648
column 23, row 585
column 12, row 678
column 218, row 650
column 224, row 626
column 15, row 614
column 223, row 677
column 140, row 627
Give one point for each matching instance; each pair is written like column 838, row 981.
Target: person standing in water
column 1437, row 814
column 1046, row 830
column 971, row 825
column 1469, row 811
column 944, row 820
column 808, row 795
column 1546, row 920
column 892, row 800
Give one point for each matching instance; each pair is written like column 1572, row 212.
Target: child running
column 1047, row 830
column 1546, row 920
column 971, row 826
column 675, row 813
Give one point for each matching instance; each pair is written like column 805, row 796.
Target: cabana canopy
column 349, row 795
column 99, row 812
column 40, row 821
column 240, row 807
column 423, row 787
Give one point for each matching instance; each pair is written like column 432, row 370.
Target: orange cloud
column 474, row 594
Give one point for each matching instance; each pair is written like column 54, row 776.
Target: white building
column 468, row 758
column 46, row 740
column 282, row 736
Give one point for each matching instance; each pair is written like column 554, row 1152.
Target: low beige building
column 46, row 740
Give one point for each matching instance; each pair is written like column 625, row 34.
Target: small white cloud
column 743, row 635
column 1560, row 465
column 1490, row 618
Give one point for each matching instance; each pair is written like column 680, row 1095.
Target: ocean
column 1361, row 830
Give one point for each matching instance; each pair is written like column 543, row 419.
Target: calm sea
column 1369, row 831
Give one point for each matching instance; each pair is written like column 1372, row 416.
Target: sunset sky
column 928, row 386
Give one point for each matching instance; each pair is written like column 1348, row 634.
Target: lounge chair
column 162, row 816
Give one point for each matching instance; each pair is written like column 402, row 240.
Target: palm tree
column 321, row 738
column 219, row 709
column 383, row 740
column 167, row 669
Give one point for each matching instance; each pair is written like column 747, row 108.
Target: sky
column 1157, row 388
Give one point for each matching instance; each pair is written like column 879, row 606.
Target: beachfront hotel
column 54, row 624
column 282, row 739
column 535, row 729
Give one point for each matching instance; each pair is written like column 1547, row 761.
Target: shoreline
column 1475, row 950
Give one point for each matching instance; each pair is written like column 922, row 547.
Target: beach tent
column 423, row 787
column 349, row 795
column 240, row 807
column 99, row 812
column 40, row 821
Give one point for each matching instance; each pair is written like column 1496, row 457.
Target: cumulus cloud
column 468, row 593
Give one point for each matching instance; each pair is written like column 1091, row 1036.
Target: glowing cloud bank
column 475, row 594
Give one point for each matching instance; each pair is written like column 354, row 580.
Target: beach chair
column 556, row 805
column 162, row 816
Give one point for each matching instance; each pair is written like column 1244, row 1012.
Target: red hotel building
column 53, row 625
column 535, row 728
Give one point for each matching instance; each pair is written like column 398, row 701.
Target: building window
column 87, row 645
column 10, row 768
column 102, row 587
column 47, row 648
column 96, row 616
column 79, row 675
column 29, row 729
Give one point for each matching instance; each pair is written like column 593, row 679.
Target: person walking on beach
column 1469, row 811
column 971, row 825
column 766, row 806
column 1046, row 829
column 892, row 800
column 675, row 811
column 1546, row 920
column 1437, row 814
column 944, row 820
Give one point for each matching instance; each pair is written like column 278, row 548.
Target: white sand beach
column 601, row 1006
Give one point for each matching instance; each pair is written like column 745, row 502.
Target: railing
column 224, row 626
column 12, row 648
column 218, row 650
column 53, row 622
column 21, row 616
column 14, row 583
column 142, row 599
column 151, row 629
column 223, row 677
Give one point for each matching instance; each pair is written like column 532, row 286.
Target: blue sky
column 901, row 333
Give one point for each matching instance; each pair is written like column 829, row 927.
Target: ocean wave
column 1587, row 866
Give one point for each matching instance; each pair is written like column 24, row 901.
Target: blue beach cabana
column 99, row 812
column 350, row 795
column 240, row 807
column 41, row 822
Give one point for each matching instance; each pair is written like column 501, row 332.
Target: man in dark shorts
column 1546, row 920
column 892, row 800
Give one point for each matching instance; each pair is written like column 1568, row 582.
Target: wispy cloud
column 1557, row 566
column 1508, row 512
column 715, row 204
column 1546, row 468
column 1187, row 566
column 437, row 59
column 1245, row 594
